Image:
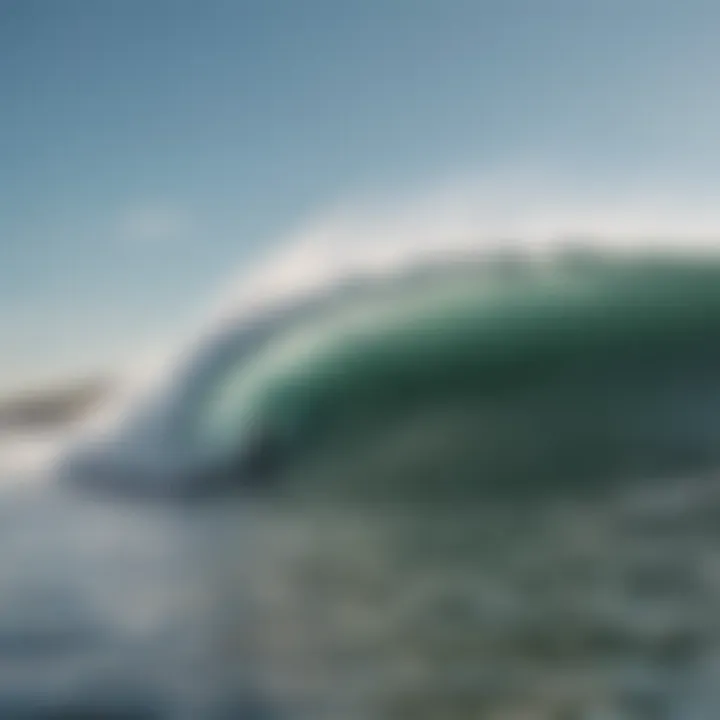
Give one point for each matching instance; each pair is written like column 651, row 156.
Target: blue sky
column 148, row 148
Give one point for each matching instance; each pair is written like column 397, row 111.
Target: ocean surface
column 562, row 564
column 551, row 607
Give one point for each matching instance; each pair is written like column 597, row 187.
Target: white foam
column 518, row 211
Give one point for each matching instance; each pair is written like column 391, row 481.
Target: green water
column 554, row 375
column 501, row 501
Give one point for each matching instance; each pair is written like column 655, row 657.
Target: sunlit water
column 550, row 608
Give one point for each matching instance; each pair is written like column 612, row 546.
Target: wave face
column 427, row 553
column 532, row 375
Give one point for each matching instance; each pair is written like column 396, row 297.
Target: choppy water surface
column 546, row 609
column 550, row 610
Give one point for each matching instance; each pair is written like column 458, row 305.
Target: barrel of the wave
column 402, row 563
column 556, row 376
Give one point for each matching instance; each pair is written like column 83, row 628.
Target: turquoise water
column 565, row 375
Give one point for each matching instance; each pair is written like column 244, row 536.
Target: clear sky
column 148, row 148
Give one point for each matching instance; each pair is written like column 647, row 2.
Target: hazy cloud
column 154, row 222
